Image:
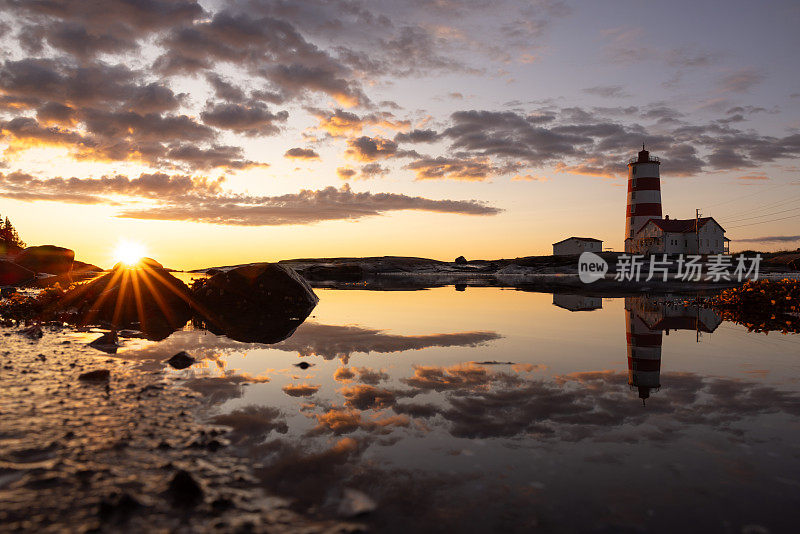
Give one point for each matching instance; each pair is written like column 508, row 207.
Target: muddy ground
column 118, row 453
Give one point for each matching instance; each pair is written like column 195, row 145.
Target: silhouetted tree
column 9, row 234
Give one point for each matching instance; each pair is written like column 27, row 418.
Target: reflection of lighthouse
column 644, row 351
column 644, row 195
column 645, row 321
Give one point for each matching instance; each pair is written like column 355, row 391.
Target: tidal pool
column 501, row 410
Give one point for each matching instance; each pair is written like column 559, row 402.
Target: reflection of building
column 577, row 302
column 645, row 321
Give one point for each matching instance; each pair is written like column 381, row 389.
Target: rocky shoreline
column 114, row 445
column 533, row 273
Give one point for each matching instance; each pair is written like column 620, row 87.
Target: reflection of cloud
column 218, row 389
column 300, row 390
column 366, row 397
column 346, row 420
column 252, row 423
column 334, row 341
column 365, row 374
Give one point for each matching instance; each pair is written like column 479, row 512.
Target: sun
column 129, row 252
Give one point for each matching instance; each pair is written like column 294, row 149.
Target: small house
column 577, row 245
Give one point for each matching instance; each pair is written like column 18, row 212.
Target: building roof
column 580, row 239
column 680, row 226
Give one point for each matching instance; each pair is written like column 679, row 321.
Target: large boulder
column 143, row 296
column 12, row 274
column 263, row 302
column 48, row 259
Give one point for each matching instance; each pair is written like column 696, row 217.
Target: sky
column 217, row 133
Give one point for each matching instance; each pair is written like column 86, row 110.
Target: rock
column 7, row 291
column 144, row 296
column 99, row 375
column 335, row 273
column 82, row 267
column 108, row 342
column 117, row 507
column 355, row 503
column 12, row 274
column 263, row 302
column 184, row 490
column 33, row 332
column 46, row 259
column 181, row 360
column 461, row 260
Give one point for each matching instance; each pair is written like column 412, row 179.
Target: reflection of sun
column 129, row 252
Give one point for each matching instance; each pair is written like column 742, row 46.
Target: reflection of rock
column 144, row 294
column 12, row 274
column 181, row 360
column 261, row 303
column 577, row 302
column 48, row 259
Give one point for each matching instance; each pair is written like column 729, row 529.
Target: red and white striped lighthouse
column 644, row 194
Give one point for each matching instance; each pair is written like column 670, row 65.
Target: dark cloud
column 305, row 207
column 89, row 27
column 371, row 170
column 301, row 153
column 345, row 173
column 371, row 148
column 251, row 120
column 417, row 136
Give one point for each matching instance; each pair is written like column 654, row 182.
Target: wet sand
column 123, row 454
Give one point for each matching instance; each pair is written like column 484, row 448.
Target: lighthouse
column 644, row 195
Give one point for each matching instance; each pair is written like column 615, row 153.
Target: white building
column 577, row 245
column 680, row 236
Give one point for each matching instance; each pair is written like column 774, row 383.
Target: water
column 502, row 410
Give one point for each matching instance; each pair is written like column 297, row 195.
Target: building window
column 634, row 170
column 633, row 195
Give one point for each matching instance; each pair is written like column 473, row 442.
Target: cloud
column 417, row 136
column 741, row 81
column 528, row 178
column 607, row 91
column 340, row 123
column 770, row 239
column 301, row 153
column 371, row 148
column 345, row 173
column 155, row 186
column 753, row 177
column 305, row 207
column 466, row 169
column 251, row 120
